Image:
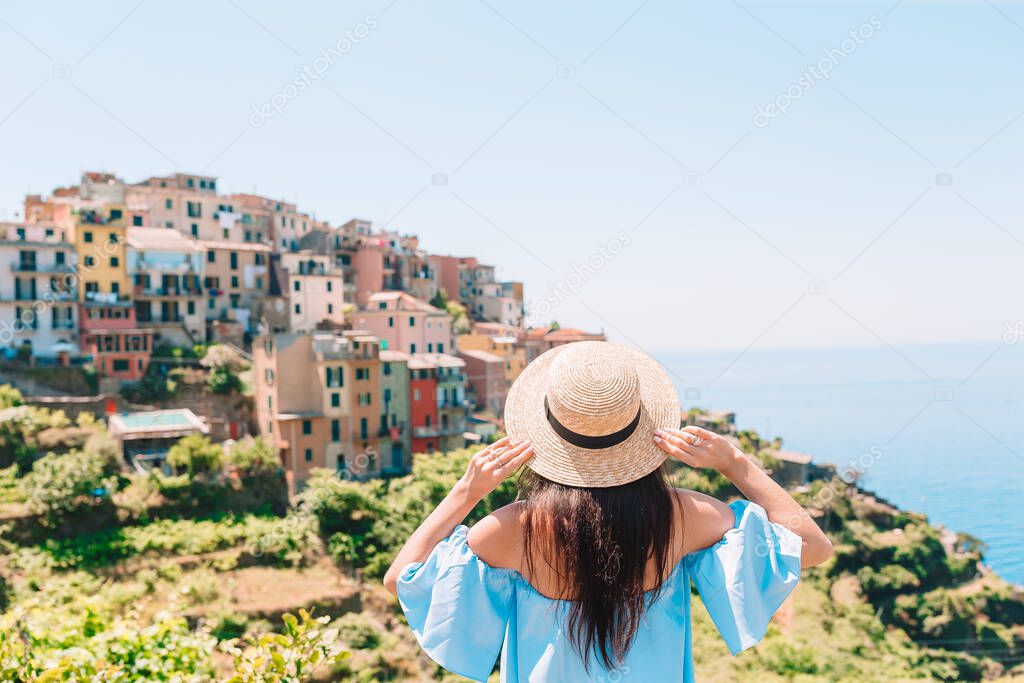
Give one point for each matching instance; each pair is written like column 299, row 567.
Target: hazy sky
column 882, row 206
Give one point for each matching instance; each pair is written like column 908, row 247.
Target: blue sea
column 946, row 420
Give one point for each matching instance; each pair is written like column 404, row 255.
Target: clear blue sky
column 560, row 125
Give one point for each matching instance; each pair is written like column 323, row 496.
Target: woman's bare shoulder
column 497, row 539
column 704, row 519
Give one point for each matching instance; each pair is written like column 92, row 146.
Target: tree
column 460, row 318
column 440, row 299
column 224, row 364
column 252, row 456
column 197, row 454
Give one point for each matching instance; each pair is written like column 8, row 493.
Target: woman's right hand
column 492, row 465
column 700, row 448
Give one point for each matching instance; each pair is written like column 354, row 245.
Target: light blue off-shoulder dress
column 464, row 612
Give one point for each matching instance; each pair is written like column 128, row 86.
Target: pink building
column 485, row 374
column 449, row 273
column 406, row 323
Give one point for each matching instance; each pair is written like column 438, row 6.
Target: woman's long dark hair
column 599, row 542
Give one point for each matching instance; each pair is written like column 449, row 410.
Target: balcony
column 171, row 292
column 423, row 432
column 32, row 267
column 46, row 297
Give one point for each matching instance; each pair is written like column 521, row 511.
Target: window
column 90, row 261
column 121, row 365
column 440, row 347
column 259, row 283
column 234, row 260
column 362, row 427
column 87, row 236
column 211, row 256
column 191, row 307
column 335, row 400
column 412, row 348
column 297, row 286
column 415, row 394
column 309, row 455
column 387, row 395
column 362, row 373
column 330, row 286
column 115, row 287
column 114, row 262
column 113, row 238
column 386, row 368
column 137, row 221
column 335, row 430
column 298, row 309
column 234, row 281
column 168, row 204
column 195, row 231
column 412, row 321
column 307, row 427
column 258, row 257
column 430, row 347
column 58, row 258
column 330, row 309
column 391, row 322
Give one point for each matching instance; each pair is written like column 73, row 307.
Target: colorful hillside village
column 364, row 347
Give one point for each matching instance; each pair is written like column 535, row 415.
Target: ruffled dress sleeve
column 744, row 578
column 457, row 606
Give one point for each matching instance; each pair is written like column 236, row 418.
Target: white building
column 167, row 271
column 38, row 291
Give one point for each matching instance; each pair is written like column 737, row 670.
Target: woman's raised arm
column 698, row 447
column 487, row 468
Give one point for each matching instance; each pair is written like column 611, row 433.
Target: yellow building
column 101, row 247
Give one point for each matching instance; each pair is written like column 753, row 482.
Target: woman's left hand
column 494, row 464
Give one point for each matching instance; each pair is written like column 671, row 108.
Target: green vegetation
column 114, row 576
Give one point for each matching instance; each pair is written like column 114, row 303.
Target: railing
column 438, row 430
column 41, row 268
column 28, row 297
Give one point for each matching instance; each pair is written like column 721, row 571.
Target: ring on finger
column 695, row 440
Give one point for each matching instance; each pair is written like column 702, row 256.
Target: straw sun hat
column 590, row 410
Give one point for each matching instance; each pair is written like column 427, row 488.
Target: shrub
column 63, row 484
column 359, row 632
column 252, row 456
column 196, row 454
column 10, row 397
column 294, row 655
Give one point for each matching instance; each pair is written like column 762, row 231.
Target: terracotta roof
column 573, row 334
